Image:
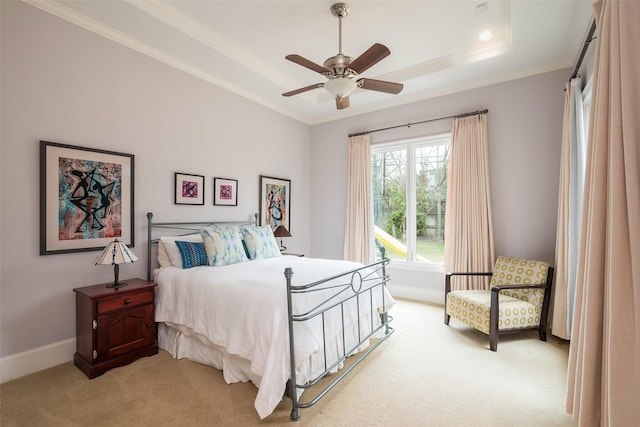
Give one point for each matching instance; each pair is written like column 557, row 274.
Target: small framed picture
column 189, row 189
column 225, row 192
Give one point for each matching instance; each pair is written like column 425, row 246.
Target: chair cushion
column 473, row 307
column 518, row 271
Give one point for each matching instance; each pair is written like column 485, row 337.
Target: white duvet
column 242, row 308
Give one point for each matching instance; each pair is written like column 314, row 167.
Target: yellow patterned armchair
column 518, row 299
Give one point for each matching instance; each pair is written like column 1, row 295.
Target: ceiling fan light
column 340, row 86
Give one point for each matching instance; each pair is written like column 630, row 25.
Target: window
column 409, row 185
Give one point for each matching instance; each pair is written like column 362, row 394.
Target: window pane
column 389, row 186
column 431, row 196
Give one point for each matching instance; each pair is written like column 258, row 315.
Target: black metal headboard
column 180, row 229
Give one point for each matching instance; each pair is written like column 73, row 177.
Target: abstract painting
column 86, row 198
column 275, row 202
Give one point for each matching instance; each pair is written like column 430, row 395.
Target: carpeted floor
column 426, row 374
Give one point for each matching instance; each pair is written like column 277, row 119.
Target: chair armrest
column 447, row 279
column 506, row 287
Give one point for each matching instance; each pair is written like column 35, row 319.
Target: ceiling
column 241, row 45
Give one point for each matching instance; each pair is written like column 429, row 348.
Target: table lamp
column 281, row 232
column 115, row 253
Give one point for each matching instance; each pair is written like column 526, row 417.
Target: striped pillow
column 192, row 253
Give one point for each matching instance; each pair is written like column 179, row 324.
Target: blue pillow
column 192, row 253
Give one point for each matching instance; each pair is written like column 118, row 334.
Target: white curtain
column 570, row 197
column 358, row 229
column 468, row 241
column 603, row 378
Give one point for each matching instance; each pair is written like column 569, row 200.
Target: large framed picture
column 189, row 189
column 225, row 192
column 275, row 202
column 86, row 198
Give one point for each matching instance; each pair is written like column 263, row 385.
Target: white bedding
column 241, row 309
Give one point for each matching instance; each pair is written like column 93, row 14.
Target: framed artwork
column 189, row 189
column 86, row 198
column 225, row 192
column 275, row 202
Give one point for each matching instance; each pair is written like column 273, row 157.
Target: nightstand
column 114, row 327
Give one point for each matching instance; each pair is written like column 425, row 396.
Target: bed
column 282, row 322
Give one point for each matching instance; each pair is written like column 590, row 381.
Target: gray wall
column 64, row 84
column 525, row 125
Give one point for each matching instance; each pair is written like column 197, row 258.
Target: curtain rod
column 588, row 41
column 456, row 116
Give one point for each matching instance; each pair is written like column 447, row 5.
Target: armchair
column 518, row 299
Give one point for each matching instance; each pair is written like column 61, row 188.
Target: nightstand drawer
column 130, row 300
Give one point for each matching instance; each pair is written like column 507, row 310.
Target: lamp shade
column 114, row 253
column 281, row 231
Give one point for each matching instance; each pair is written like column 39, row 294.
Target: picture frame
column 275, row 202
column 189, row 189
column 86, row 198
column 225, row 192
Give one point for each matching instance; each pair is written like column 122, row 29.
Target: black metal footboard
column 355, row 287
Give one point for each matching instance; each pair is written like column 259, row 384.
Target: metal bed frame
column 352, row 287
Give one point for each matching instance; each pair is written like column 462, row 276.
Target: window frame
column 410, row 145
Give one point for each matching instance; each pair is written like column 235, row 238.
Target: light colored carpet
column 426, row 374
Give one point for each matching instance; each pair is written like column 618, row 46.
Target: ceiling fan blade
column 371, row 57
column 342, row 102
column 307, row 63
column 303, row 89
column 380, row 86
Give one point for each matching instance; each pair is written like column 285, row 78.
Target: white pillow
column 260, row 242
column 163, row 256
column 172, row 250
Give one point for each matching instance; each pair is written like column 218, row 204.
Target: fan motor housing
column 339, row 65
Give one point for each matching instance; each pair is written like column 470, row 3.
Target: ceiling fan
column 341, row 70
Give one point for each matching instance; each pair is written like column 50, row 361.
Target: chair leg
column 493, row 321
column 493, row 340
column 543, row 333
column 446, row 294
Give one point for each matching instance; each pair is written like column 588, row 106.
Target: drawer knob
column 127, row 301
column 149, row 325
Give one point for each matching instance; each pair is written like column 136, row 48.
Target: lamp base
column 116, row 285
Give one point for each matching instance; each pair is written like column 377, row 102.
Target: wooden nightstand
column 114, row 327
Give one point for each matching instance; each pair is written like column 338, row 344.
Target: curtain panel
column 358, row 228
column 603, row 378
column 570, row 198
column 468, row 242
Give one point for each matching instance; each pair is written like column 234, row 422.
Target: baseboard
column 28, row 362
column 418, row 294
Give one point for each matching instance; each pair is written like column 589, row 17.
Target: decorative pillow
column 163, row 256
column 169, row 244
column 192, row 253
column 260, row 242
column 223, row 245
